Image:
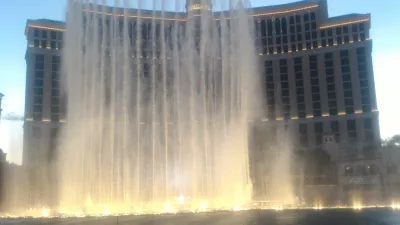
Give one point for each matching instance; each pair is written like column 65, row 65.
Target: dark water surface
column 377, row 216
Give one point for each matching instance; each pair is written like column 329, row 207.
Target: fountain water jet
column 158, row 107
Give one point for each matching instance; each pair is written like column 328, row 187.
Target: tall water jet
column 158, row 107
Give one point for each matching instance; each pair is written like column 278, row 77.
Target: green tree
column 393, row 141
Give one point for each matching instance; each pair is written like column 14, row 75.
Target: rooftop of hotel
column 273, row 10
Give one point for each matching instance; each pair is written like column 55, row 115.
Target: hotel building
column 318, row 77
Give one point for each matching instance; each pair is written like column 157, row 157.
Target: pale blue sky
column 385, row 33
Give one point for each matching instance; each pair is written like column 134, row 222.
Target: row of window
column 38, row 88
column 53, row 45
column 350, row 128
column 48, row 34
column 314, row 82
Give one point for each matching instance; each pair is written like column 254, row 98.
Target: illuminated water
column 157, row 118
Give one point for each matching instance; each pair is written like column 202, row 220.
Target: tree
column 393, row 141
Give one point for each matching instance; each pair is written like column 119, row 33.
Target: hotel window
column 335, row 130
column 330, row 81
column 313, row 17
column 315, row 90
column 38, row 87
column 354, row 28
column 303, row 135
column 269, row 77
column 298, row 68
column 368, row 129
column 44, row 34
column 284, row 89
column 318, row 130
column 53, row 45
column 263, row 28
column 269, row 27
column 43, row 44
column 55, row 86
column 351, row 130
column 36, row 33
column 347, row 83
column 53, row 35
column 363, row 78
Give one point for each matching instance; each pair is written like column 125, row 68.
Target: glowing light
column 318, row 207
column 168, row 207
column 45, row 213
column 106, row 213
column 181, row 198
column 357, row 207
column 203, row 207
column 199, row 7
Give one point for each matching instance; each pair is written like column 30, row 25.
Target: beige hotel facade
column 318, row 76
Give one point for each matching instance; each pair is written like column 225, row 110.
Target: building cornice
column 345, row 20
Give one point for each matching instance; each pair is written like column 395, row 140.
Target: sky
column 385, row 33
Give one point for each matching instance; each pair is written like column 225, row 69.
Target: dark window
column 38, row 82
column 313, row 25
column 332, row 103
column 314, row 34
column 362, row 26
column 55, row 118
column 36, row 43
column 37, row 99
column 269, row 27
column 345, row 29
column 330, row 32
column 364, row 83
column 37, row 108
column 36, row 33
column 39, row 74
column 53, row 45
column 38, row 91
column 329, row 71
column 348, row 102
column 335, row 126
column 312, row 15
column 316, row 97
column 368, row 123
column 316, row 105
column 354, row 28
column 291, row 20
column 332, row 95
column 331, row 87
column 303, row 128
column 301, row 107
column 360, row 51
column 298, row 19
column 348, row 93
column 346, row 77
column 351, row 125
column 338, row 31
column 355, row 37
column 323, row 43
column 44, row 34
column 323, row 33
column 298, row 28
column 278, row 26
column 53, row 34
column 314, row 82
column 318, row 127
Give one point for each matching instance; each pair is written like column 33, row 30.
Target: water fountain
column 158, row 107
